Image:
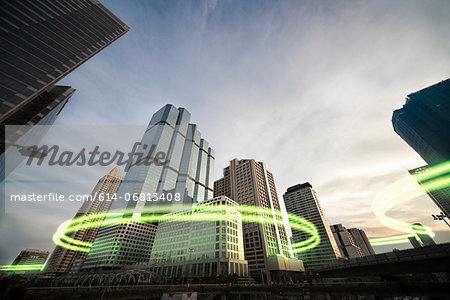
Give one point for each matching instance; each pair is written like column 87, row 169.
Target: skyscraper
column 186, row 248
column 351, row 242
column 30, row 257
column 423, row 234
column 62, row 259
column 171, row 161
column 361, row 240
column 266, row 244
column 345, row 242
column 43, row 41
column 441, row 196
column 424, row 122
column 302, row 201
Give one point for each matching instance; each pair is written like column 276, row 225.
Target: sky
column 308, row 87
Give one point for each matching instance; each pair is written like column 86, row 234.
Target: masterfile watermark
column 94, row 157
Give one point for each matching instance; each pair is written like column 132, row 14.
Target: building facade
column 171, row 161
column 187, row 248
column 440, row 196
column 424, row 122
column 361, row 240
column 266, row 244
column 31, row 257
column 43, row 41
column 423, row 234
column 62, row 259
column 351, row 242
column 302, row 200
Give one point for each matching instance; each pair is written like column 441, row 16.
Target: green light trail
column 431, row 179
column 21, row 268
column 152, row 214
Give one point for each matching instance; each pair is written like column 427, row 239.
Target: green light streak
column 20, row 268
column 156, row 213
column 401, row 191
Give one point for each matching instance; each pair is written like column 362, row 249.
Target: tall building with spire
column 266, row 244
column 172, row 166
column 302, row 200
column 62, row 259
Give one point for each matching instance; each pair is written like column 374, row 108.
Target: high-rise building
column 42, row 110
column 62, row 258
column 345, row 242
column 361, row 240
column 172, row 165
column 302, row 200
column 30, row 257
column 185, row 248
column 266, row 244
column 423, row 234
column 414, row 242
column 424, row 122
column 351, row 242
column 440, row 196
column 43, row 41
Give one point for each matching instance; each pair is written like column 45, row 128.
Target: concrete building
column 361, row 240
column 302, row 200
column 62, row 258
column 187, row 248
column 174, row 163
column 31, row 257
column 345, row 242
column 266, row 244
column 352, row 242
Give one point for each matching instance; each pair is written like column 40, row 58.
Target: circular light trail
column 431, row 179
column 153, row 213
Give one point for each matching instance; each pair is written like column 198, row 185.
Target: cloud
column 307, row 87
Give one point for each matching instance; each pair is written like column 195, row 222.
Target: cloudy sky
column 308, row 87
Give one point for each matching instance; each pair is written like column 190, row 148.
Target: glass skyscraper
column 441, row 196
column 302, row 200
column 43, row 41
column 424, row 122
column 184, row 174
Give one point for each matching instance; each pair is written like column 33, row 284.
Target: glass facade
column 43, row 41
column 182, row 173
column 302, row 200
column 184, row 248
column 424, row 122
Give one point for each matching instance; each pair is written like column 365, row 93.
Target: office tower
column 184, row 248
column 43, row 41
column 414, row 242
column 30, row 257
column 266, row 245
column 361, row 240
column 440, row 196
column 345, row 242
column 172, row 160
column 42, row 110
column 302, row 200
column 62, row 259
column 424, row 122
column 423, row 234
